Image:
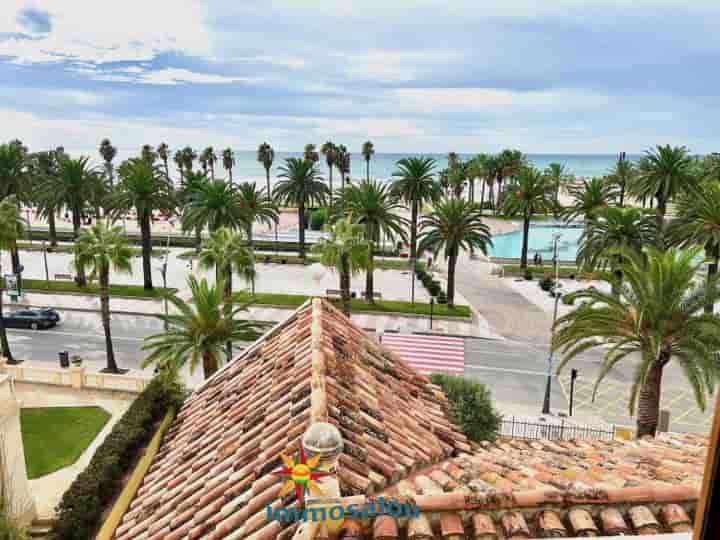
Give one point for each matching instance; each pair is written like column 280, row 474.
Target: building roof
column 211, row 478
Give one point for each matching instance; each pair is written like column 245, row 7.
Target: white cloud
column 171, row 76
column 395, row 66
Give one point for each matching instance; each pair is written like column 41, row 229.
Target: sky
column 565, row 76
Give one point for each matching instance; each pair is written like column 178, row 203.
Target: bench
column 375, row 294
column 333, row 293
column 64, row 277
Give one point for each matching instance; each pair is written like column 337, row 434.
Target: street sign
column 12, row 284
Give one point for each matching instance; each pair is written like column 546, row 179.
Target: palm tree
column 371, row 204
column 225, row 251
column 108, row 153
column 698, row 224
column 14, row 180
column 98, row 249
column 266, row 156
column 455, row 224
column 208, row 158
column 477, row 170
column 623, row 174
column 493, row 169
column 611, row 235
column 256, row 206
column 557, row 174
column 45, row 192
column 188, row 158
column 74, row 190
column 145, row 188
column 228, row 160
column 415, row 183
column 199, row 331
column 368, row 150
column 531, row 193
column 11, row 228
column 509, row 164
column 163, row 152
column 310, row 153
column 346, row 249
column 588, row 197
column 456, row 179
column 194, row 182
column 658, row 316
column 178, row 159
column 212, row 204
column 664, row 173
column 301, row 186
column 342, row 162
column 329, row 150
column 148, row 154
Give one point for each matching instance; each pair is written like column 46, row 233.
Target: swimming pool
column 508, row 245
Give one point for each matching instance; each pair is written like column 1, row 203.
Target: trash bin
column 64, row 359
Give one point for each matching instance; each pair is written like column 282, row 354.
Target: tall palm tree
column 108, row 153
column 98, row 249
column 664, row 173
column 45, row 192
column 163, row 152
column 455, row 224
column 493, row 168
column 194, row 182
column 697, row 223
column 213, row 204
column 415, row 184
column 256, row 206
column 188, row 158
column 199, row 331
column 623, row 174
column 531, row 193
column 612, row 234
column 656, row 317
column 145, row 188
column 329, row 150
column 346, row 249
column 74, row 190
column 509, row 164
column 477, row 170
column 15, row 180
column 588, row 197
column 368, row 150
column 453, row 160
column 557, row 173
column 310, row 153
column 266, row 156
column 457, row 178
column 342, row 162
column 11, row 228
column 207, row 159
column 228, row 160
column 301, row 186
column 179, row 163
column 225, row 251
column 371, row 204
column 148, row 154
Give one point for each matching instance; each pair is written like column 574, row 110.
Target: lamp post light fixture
column 556, row 294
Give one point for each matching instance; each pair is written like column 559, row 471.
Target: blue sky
column 563, row 76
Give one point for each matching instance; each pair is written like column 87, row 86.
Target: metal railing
column 523, row 429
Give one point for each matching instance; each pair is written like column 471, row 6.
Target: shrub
column 470, row 406
column 546, row 283
column 528, row 275
column 568, row 299
column 81, row 507
column 441, row 297
column 318, row 219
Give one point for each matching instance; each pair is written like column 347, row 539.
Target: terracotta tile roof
column 210, row 478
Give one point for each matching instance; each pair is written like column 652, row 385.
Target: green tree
column 11, row 228
column 180, row 164
column 45, row 194
column 15, row 180
column 194, row 181
column 371, row 204
column 98, row 249
column 212, row 204
column 266, row 156
column 509, row 163
column 145, row 188
column 657, row 317
column 368, row 150
column 256, row 206
column 108, row 153
column 697, row 223
column 188, row 158
column 664, row 173
column 342, row 162
column 587, row 198
column 531, row 193
column 477, row 169
column 207, row 159
column 148, row 154
column 415, row 184
column 199, row 331
column 558, row 175
column 346, row 249
column 228, row 160
column 301, row 185
column 329, row 150
column 163, row 152
column 454, row 224
column 623, row 174
column 310, row 153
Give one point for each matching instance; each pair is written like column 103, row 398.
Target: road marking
column 505, row 370
column 72, row 334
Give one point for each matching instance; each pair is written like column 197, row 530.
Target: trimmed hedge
column 432, row 285
column 81, row 507
column 470, row 406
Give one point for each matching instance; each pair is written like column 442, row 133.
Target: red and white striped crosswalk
column 429, row 354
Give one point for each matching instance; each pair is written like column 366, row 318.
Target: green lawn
column 59, row 286
column 55, row 437
column 65, row 248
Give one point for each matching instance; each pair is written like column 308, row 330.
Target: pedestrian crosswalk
column 429, row 354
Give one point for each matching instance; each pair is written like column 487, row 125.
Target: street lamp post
column 163, row 272
column 47, row 273
column 27, row 213
column 432, row 305
column 548, row 383
column 412, row 280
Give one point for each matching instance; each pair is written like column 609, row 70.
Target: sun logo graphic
column 300, row 474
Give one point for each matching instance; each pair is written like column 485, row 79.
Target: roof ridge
column 318, row 366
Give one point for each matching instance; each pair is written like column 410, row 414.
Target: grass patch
column 55, row 437
column 64, row 248
column 357, row 305
column 57, row 286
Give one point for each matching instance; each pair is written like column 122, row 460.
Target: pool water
column 509, row 245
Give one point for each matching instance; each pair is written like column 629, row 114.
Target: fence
column 522, row 429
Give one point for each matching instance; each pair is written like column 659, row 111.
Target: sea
column 382, row 165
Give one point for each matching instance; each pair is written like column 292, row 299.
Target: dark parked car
column 32, row 318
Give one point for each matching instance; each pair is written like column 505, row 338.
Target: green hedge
column 470, row 406
column 82, row 505
column 60, row 286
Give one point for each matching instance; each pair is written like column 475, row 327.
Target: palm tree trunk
column 301, row 228
column 198, row 239
column 472, row 190
column 482, row 195
column 15, row 257
column 369, row 277
column 52, row 229
column 105, row 311
column 212, row 170
column 267, row 182
column 622, row 194
column 660, row 221
column 81, row 279
column 3, row 333
column 649, row 402
column 167, row 170
column 368, row 169
column 491, row 197
column 345, row 283
column 228, row 305
column 714, row 252
column 413, row 230
column 452, row 262
column 209, row 366
column 146, row 250
column 230, row 173
column 330, row 176
column 526, row 238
